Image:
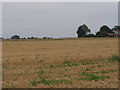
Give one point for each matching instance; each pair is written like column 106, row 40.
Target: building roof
column 110, row 34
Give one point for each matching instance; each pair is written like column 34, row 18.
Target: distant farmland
column 62, row 63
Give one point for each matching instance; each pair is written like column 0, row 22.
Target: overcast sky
column 60, row 19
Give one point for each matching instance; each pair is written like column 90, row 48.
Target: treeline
column 18, row 37
column 105, row 31
column 84, row 31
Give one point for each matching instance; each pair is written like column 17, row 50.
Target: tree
column 15, row 37
column 47, row 37
column 115, row 28
column 82, row 30
column 105, row 29
column 101, row 34
column 32, row 38
column 23, row 38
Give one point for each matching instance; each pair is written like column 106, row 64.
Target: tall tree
column 82, row 30
column 105, row 29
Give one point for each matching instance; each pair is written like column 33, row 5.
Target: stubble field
column 60, row 63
